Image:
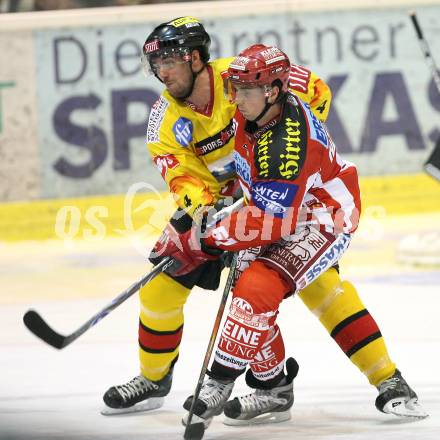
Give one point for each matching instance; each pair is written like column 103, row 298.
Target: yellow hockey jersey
column 193, row 150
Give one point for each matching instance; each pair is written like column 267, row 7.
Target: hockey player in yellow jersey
column 190, row 137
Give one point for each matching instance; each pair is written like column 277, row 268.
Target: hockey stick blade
column 38, row 326
column 195, row 431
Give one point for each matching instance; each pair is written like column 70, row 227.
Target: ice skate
column 396, row 397
column 264, row 405
column 212, row 398
column 139, row 394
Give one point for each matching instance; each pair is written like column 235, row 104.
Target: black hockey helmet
column 177, row 37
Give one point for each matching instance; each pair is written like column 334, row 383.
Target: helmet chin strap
column 264, row 111
column 194, row 77
column 281, row 96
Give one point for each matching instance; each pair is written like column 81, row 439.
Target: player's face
column 250, row 101
column 176, row 74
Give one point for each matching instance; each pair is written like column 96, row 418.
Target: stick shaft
column 39, row 327
column 212, row 339
column 163, row 265
column 426, row 50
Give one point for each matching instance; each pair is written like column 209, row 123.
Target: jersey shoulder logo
column 317, row 128
column 155, row 119
column 299, row 79
column 183, row 131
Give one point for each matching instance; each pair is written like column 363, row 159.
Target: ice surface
column 47, row 394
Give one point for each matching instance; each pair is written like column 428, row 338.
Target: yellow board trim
column 401, row 194
column 147, row 213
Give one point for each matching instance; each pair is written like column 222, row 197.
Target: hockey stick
column 39, row 327
column 425, row 50
column 196, row 431
column 432, row 165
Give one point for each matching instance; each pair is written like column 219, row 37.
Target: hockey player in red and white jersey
column 303, row 205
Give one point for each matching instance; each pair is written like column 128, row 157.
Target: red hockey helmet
column 259, row 66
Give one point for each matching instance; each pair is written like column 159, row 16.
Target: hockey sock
column 249, row 324
column 161, row 325
column 255, row 383
column 268, row 364
column 340, row 310
column 239, row 341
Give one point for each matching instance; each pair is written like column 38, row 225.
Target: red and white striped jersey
column 291, row 176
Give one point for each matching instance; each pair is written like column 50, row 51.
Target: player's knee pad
column 342, row 305
column 261, row 287
column 318, row 295
column 331, row 299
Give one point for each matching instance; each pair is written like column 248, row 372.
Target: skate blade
column 149, row 405
column 196, row 419
column 410, row 409
column 263, row 419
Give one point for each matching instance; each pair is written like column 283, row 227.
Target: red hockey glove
column 187, row 250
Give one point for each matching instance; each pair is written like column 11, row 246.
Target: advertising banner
column 93, row 100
